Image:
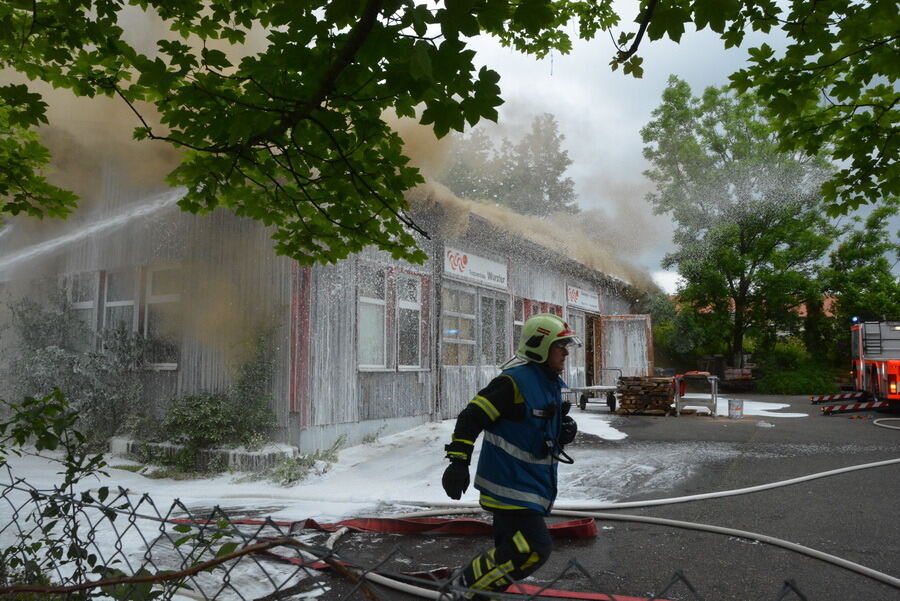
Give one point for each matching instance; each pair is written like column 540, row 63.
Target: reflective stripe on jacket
column 516, row 466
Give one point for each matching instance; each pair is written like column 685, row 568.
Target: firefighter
column 526, row 426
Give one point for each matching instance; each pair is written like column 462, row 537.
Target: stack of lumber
column 639, row 395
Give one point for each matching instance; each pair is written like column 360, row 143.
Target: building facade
column 366, row 346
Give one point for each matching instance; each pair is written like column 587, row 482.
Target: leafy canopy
column 832, row 91
column 749, row 222
column 292, row 134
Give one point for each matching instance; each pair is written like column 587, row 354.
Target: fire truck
column 875, row 365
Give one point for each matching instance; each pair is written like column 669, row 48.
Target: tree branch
column 645, row 21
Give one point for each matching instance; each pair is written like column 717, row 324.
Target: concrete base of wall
column 317, row 438
column 239, row 459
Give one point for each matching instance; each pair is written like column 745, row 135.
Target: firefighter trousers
column 521, row 545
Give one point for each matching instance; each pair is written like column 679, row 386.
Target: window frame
column 371, row 300
column 573, row 318
column 473, row 342
column 418, row 306
column 498, row 357
column 392, row 307
column 93, row 305
column 150, row 299
column 135, row 294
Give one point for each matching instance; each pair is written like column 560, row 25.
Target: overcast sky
column 601, row 112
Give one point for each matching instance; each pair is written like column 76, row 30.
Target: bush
column 57, row 350
column 240, row 416
column 201, row 420
column 789, row 369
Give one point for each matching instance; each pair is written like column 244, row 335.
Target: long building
column 367, row 345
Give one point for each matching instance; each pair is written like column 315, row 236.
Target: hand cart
column 587, row 394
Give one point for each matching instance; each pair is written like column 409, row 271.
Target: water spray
column 147, row 207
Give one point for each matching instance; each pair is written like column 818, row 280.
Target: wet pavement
column 852, row 515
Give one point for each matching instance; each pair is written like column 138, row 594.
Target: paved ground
column 853, row 516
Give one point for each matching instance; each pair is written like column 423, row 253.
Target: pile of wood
column 639, row 395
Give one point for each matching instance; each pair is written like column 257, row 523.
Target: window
column 458, row 321
column 409, row 320
column 525, row 308
column 118, row 302
column 81, row 289
column 518, row 320
column 392, row 318
column 162, row 317
column 493, row 331
column 371, row 339
column 576, row 322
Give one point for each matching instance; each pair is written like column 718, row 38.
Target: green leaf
column 420, row 62
column 226, row 548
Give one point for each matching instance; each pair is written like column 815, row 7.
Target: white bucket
column 735, row 408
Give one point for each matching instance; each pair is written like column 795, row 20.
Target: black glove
column 568, row 430
column 566, row 407
column 456, row 479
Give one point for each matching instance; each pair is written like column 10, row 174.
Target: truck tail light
column 892, row 385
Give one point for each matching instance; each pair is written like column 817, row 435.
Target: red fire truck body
column 875, row 361
column 875, row 351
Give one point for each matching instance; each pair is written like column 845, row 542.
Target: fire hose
column 590, row 511
column 594, row 511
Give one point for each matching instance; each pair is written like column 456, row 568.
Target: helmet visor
column 569, row 342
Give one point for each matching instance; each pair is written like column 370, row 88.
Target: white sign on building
column 583, row 299
column 471, row 267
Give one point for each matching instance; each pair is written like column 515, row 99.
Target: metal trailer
column 875, row 364
column 593, row 394
column 599, row 393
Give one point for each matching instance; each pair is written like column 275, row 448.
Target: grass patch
column 290, row 471
column 128, row 468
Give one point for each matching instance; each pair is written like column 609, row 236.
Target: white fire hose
column 590, row 509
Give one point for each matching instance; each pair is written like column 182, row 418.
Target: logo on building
column 583, row 299
column 457, row 260
column 467, row 266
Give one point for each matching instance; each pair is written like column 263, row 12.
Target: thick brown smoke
column 590, row 238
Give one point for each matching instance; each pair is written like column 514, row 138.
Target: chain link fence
column 101, row 544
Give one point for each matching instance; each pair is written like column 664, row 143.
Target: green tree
column 476, row 168
column 527, row 176
column 24, row 160
column 831, row 91
column 860, row 273
column 682, row 335
column 537, row 185
column 749, row 222
column 293, row 134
